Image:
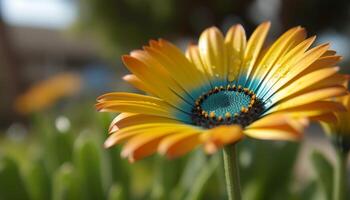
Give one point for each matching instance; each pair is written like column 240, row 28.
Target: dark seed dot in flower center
column 227, row 105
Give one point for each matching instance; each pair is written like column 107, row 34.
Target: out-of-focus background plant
column 56, row 56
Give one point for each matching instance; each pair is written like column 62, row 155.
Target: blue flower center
column 227, row 105
column 226, row 102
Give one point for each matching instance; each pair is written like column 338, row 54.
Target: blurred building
column 36, row 42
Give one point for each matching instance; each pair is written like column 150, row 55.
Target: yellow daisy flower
column 339, row 130
column 46, row 93
column 220, row 90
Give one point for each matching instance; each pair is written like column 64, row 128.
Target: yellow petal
column 298, row 86
column 142, row 145
column 279, row 48
column 218, row 137
column 323, row 62
column 127, row 119
column 177, row 65
column 277, row 120
column 315, row 108
column 194, row 56
column 235, row 42
column 138, row 84
column 158, row 70
column 291, row 71
column 332, row 81
column 212, row 51
column 146, row 143
column 133, row 107
column 297, row 52
column 271, row 121
column 126, row 133
column 279, row 68
column 134, row 103
column 329, row 53
column 273, row 134
column 327, row 118
column 310, row 97
column 287, row 129
column 179, row 144
column 152, row 81
column 252, row 51
column 126, row 96
column 113, row 125
column 181, row 58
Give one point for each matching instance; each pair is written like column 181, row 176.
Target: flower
column 221, row 90
column 339, row 130
column 47, row 92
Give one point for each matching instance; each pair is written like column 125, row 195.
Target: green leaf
column 270, row 170
column 324, row 171
column 63, row 146
column 312, row 191
column 116, row 193
column 57, row 145
column 104, row 120
column 194, row 164
column 65, row 184
column 120, row 169
column 12, row 186
column 88, row 162
column 166, row 175
column 202, row 179
column 43, row 129
column 38, row 181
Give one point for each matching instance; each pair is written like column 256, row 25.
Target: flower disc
column 226, row 105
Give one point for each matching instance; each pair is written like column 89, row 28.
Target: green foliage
column 125, row 24
column 201, row 181
column 324, row 173
column 11, row 182
column 66, row 184
column 116, row 192
column 73, row 165
column 88, row 161
column 270, row 168
column 38, row 180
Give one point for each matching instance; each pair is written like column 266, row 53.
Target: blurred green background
column 54, row 150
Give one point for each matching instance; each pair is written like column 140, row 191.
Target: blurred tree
column 316, row 15
column 125, row 24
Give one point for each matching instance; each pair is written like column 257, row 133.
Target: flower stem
column 340, row 182
column 233, row 187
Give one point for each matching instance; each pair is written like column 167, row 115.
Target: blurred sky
column 55, row 14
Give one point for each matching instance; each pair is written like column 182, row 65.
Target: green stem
column 340, row 182
column 233, row 187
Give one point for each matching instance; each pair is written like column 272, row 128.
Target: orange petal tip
column 108, row 143
column 210, row 148
column 127, row 58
